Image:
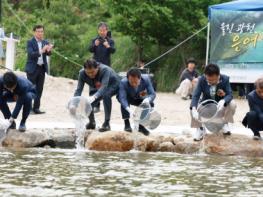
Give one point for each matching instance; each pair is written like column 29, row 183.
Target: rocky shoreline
column 123, row 141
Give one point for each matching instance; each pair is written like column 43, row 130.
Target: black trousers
column 254, row 121
column 107, row 103
column 38, row 79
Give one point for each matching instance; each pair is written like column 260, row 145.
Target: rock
column 125, row 141
column 166, row 147
column 31, row 138
column 62, row 138
column 110, row 141
column 233, row 145
column 186, row 145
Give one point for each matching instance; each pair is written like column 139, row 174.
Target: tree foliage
column 140, row 28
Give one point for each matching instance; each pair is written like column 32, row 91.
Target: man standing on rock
column 135, row 89
column 37, row 51
column 16, row 89
column 106, row 82
column 254, row 118
column 215, row 86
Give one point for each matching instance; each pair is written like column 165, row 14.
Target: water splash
column 80, row 125
column 136, row 135
column 80, row 109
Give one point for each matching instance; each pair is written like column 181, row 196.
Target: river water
column 60, row 172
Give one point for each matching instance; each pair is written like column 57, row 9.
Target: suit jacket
column 203, row 88
column 255, row 102
column 145, row 89
column 33, row 55
column 23, row 87
column 105, row 79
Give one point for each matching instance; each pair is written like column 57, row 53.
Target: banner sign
column 237, row 44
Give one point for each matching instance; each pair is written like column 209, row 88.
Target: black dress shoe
column 128, row 128
column 91, row 125
column 105, row 127
column 13, row 125
column 143, row 130
column 37, row 111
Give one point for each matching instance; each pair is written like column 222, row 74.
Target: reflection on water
column 56, row 172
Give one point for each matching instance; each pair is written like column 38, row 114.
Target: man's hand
column 97, row 42
column 221, row 93
column 195, row 114
column 50, row 47
column 106, row 44
column 44, row 49
column 91, row 99
column 221, row 105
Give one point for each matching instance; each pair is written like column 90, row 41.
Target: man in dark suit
column 135, row 89
column 215, row 86
column 254, row 118
column 16, row 89
column 37, row 51
column 106, row 82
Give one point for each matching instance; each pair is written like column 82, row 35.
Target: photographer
column 102, row 46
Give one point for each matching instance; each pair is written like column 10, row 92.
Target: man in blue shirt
column 106, row 82
column 16, row 89
column 254, row 118
column 215, row 86
column 135, row 89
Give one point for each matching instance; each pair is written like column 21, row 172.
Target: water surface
column 59, row 172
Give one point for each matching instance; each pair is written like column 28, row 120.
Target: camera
column 102, row 40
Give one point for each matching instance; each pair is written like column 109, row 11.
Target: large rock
column 233, row 145
column 184, row 144
column 31, row 138
column 62, row 138
column 110, row 141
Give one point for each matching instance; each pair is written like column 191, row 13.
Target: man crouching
column 215, row 86
column 135, row 89
column 106, row 82
column 254, row 118
column 16, row 89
